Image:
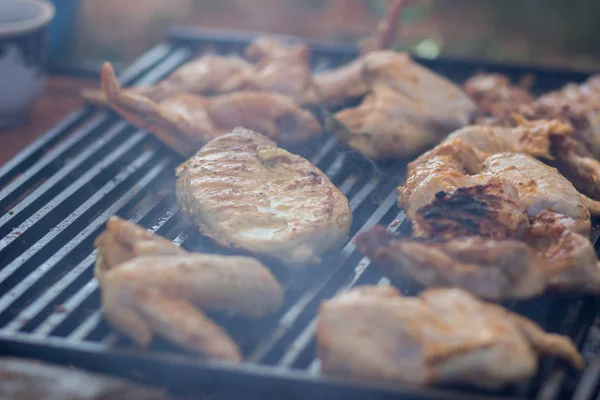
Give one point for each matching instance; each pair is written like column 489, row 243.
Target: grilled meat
column 549, row 256
column 272, row 65
column 497, row 99
column 31, row 379
column 442, row 336
column 185, row 122
column 575, row 152
column 245, row 192
column 205, row 75
column 150, row 285
column 481, row 155
column 281, row 68
column 122, row 241
column 408, row 107
column 580, row 106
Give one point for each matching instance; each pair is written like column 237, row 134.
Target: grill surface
column 58, row 193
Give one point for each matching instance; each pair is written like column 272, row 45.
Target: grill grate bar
column 50, row 183
column 53, row 292
column 35, row 275
column 9, row 269
column 293, row 313
column 78, row 139
column 304, row 338
column 86, row 326
column 54, row 320
column 34, row 151
column 78, row 298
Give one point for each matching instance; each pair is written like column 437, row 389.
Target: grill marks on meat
column 483, row 156
column 490, row 210
column 245, row 192
column 185, row 122
column 149, row 286
column 442, row 336
column 31, row 379
column 548, row 256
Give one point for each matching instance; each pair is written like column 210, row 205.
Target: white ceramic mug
column 23, row 36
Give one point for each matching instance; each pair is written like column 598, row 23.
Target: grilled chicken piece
column 549, row 256
column 480, row 155
column 281, row 68
column 272, row 66
column 443, row 336
column 22, row 379
column 497, row 99
column 500, row 103
column 205, row 75
column 122, row 241
column 245, row 192
column 580, row 106
column 150, row 285
column 408, row 108
column 185, row 122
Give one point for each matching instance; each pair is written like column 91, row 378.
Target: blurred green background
column 551, row 32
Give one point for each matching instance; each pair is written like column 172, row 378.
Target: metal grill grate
column 58, row 193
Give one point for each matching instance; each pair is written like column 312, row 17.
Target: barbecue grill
column 57, row 194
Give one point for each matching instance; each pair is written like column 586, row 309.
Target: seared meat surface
column 578, row 105
column 576, row 152
column 442, row 336
column 548, row 256
column 245, row 192
column 482, row 155
column 24, row 379
column 185, row 122
column 408, row 108
column 149, row 286
column 497, row 99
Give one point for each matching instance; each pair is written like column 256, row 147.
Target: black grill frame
column 70, row 180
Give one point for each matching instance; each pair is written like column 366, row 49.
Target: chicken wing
column 443, row 336
column 185, row 122
column 245, row 192
column 205, row 75
column 150, row 285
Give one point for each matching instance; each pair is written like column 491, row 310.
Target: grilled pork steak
column 33, row 380
column 442, row 336
column 245, row 192
column 149, row 286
